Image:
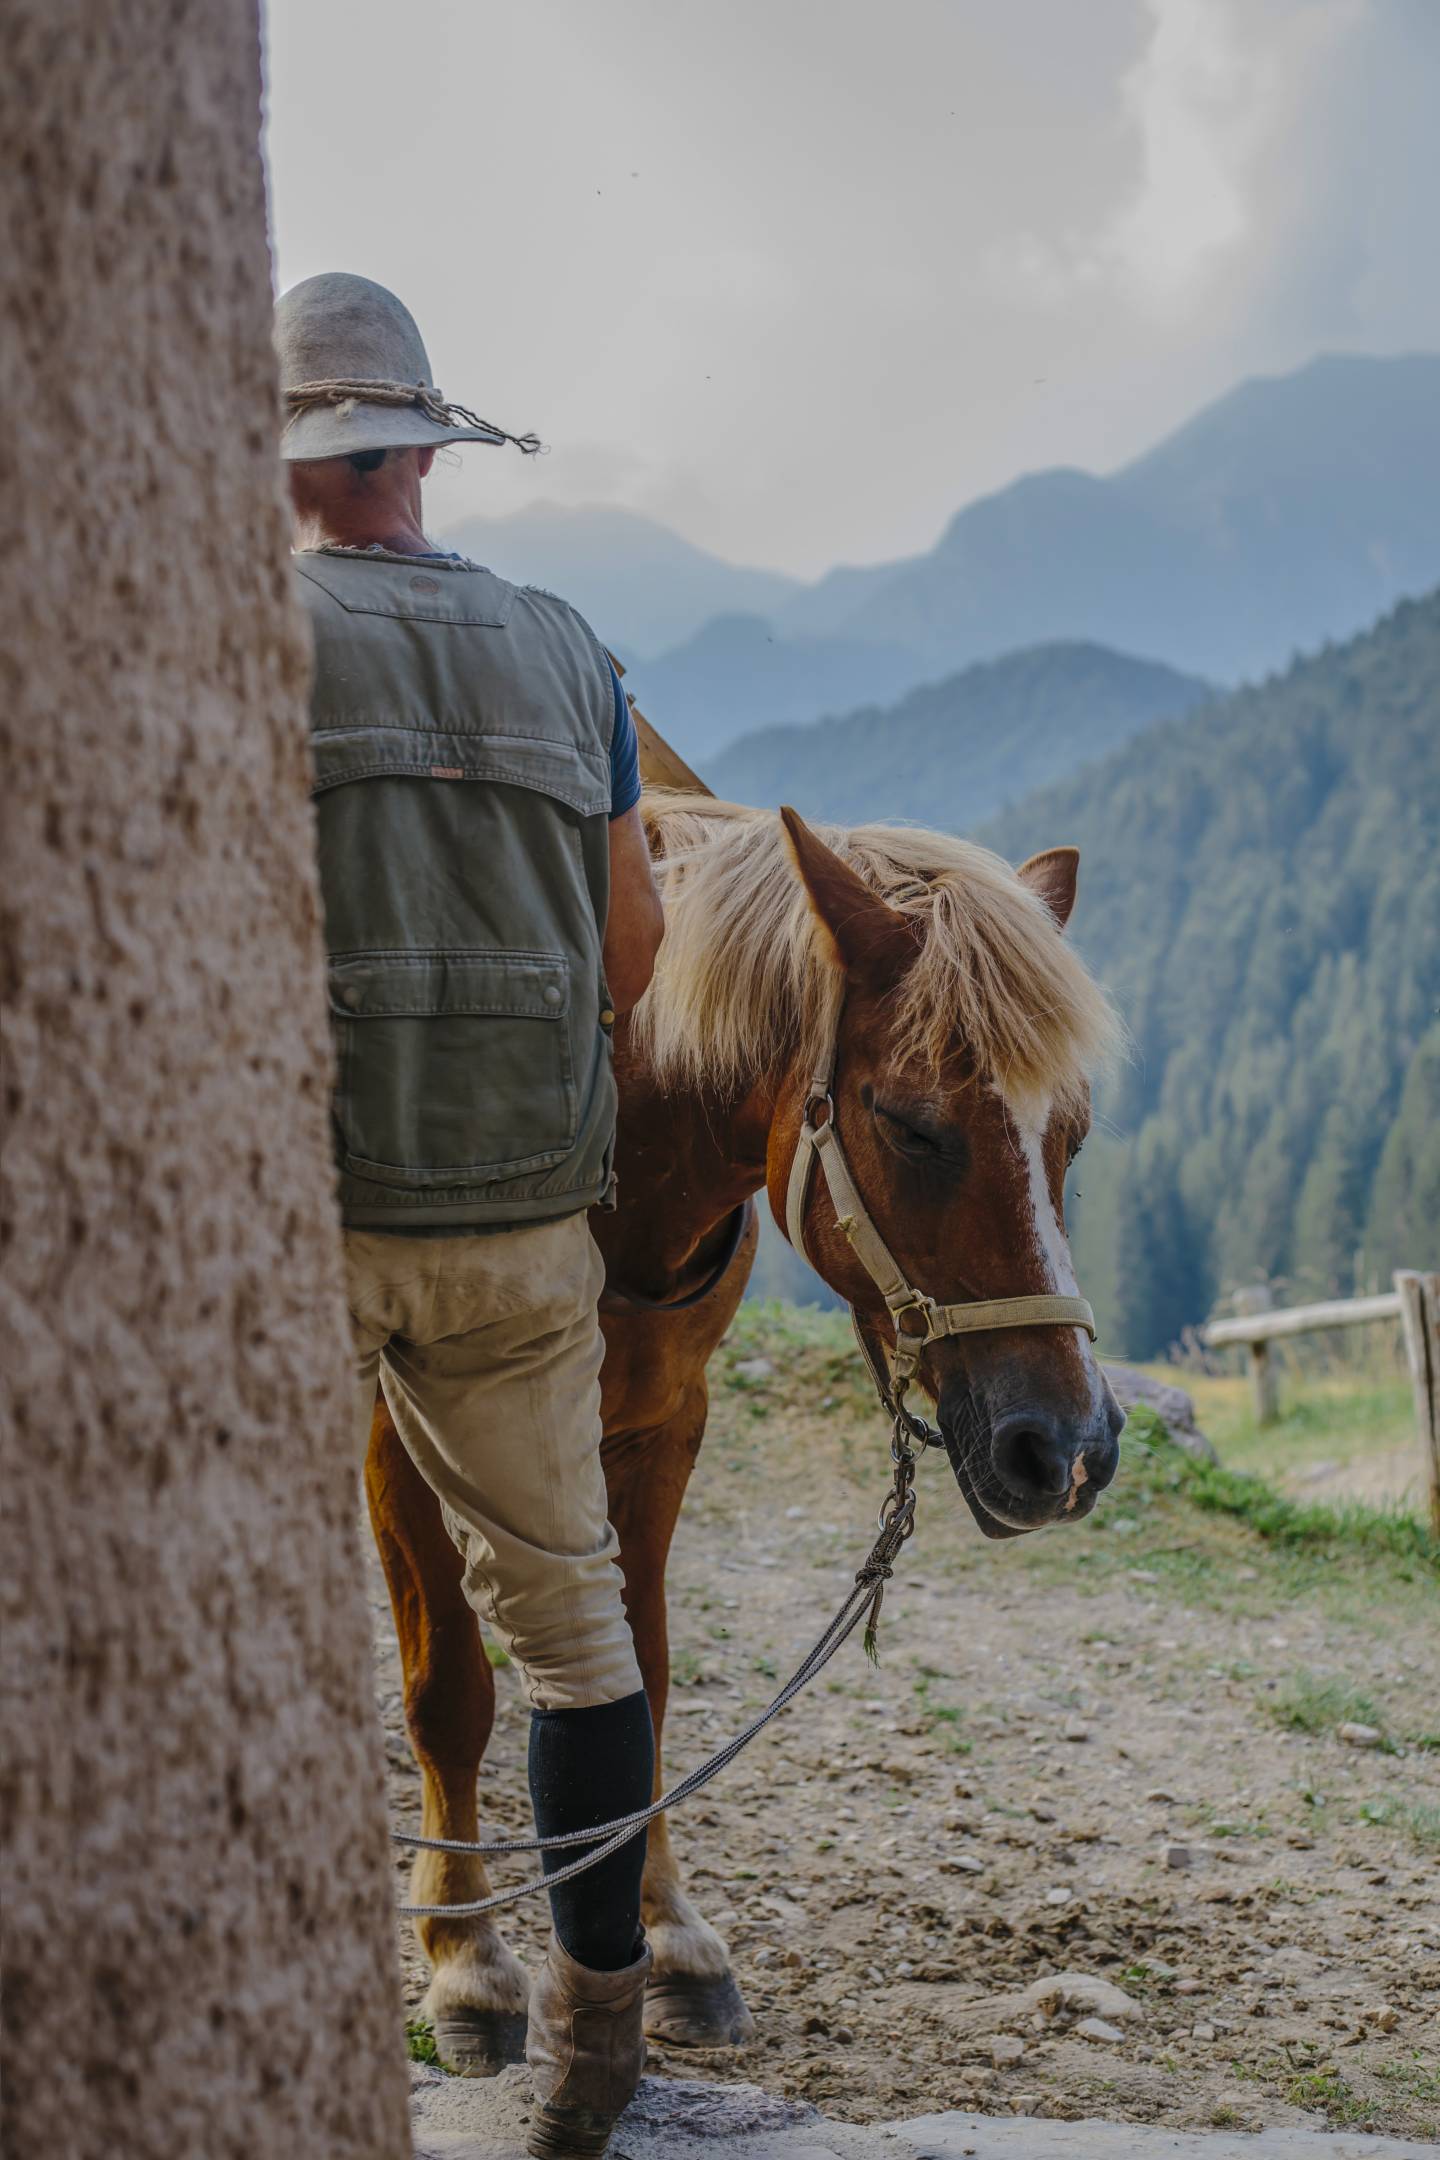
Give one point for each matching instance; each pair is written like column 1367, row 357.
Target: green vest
column 461, row 735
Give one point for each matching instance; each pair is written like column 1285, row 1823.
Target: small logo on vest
column 447, row 772
column 424, row 584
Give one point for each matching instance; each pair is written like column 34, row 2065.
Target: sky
column 800, row 278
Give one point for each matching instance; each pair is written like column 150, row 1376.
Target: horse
column 962, row 1031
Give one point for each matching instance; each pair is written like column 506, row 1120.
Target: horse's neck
column 684, row 1162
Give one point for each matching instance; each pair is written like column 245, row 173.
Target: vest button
column 551, row 993
column 607, row 1017
column 350, row 996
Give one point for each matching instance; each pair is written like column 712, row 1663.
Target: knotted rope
column 345, row 396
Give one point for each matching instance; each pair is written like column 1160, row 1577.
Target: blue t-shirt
column 624, row 756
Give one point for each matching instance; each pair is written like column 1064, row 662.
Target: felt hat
column 355, row 375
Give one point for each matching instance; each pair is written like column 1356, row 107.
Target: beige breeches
column 488, row 1350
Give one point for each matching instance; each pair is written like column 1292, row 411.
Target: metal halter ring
column 923, row 1309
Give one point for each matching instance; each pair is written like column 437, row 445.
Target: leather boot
column 586, row 2050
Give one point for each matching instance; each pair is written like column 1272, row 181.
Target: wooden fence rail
column 1414, row 1302
column 1262, row 1327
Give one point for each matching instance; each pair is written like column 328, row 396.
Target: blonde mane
column 746, row 971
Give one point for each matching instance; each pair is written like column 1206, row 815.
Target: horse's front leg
column 479, row 1990
column 693, row 1999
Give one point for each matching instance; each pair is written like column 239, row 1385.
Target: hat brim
column 324, row 431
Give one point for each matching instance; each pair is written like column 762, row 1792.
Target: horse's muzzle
column 1029, row 1466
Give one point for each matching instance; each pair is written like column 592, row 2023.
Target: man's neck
column 397, row 532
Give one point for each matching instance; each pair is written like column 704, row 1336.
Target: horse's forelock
column 743, row 974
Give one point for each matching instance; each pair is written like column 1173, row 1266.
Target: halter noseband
column 916, row 1318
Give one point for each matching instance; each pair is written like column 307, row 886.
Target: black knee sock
column 586, row 1767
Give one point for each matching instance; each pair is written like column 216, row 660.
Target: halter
column 917, row 1319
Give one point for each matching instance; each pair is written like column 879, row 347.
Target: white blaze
column 1050, row 1240
column 1051, row 1245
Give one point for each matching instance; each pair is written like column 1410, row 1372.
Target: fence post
column 1264, row 1384
column 1264, row 1379
column 1420, row 1316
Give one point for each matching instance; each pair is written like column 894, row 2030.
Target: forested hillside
column 1260, row 886
column 960, row 750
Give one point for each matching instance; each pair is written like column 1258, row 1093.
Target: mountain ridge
column 953, row 752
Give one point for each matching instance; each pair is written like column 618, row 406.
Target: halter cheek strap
column 917, row 1319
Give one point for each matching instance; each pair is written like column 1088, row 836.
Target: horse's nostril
column 1030, row 1458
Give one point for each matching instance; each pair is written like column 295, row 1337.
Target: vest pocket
column 455, row 1068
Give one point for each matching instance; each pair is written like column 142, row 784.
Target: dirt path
column 1110, row 1752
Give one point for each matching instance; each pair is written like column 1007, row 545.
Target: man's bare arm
column 636, row 922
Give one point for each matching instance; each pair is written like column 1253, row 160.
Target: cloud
column 1201, row 99
column 1216, row 103
column 805, row 288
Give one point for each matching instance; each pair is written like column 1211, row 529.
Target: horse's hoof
column 695, row 2010
column 480, row 2043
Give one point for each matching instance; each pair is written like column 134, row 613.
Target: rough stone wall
column 196, row 1914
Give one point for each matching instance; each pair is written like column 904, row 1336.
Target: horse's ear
column 868, row 935
column 1053, row 877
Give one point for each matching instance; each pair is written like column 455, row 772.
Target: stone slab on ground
column 1014, row 2137
column 484, row 2119
column 1170, row 1403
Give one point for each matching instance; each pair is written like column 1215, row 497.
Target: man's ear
column 870, row 937
column 1053, row 877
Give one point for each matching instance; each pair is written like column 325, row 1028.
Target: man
column 489, row 908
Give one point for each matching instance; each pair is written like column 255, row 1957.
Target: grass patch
column 1307, row 1704
column 1419, row 1819
column 1153, row 1464
column 1416, row 2078
column 1327, row 2091
column 420, row 2042
column 807, row 1345
column 1297, row 1523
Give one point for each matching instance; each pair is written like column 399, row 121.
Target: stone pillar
column 197, row 1934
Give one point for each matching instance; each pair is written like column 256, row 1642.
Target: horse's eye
column 906, row 1137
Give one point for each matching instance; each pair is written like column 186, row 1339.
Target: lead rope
column 896, row 1528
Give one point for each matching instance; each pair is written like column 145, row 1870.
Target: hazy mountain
column 957, row 751
column 640, row 585
column 1293, row 509
column 1260, row 887
column 737, row 674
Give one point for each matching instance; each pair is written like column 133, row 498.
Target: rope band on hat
column 424, row 396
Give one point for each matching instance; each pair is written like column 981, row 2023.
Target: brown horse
column 966, row 1029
